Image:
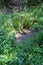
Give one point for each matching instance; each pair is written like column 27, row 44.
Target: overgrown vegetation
column 29, row 52
column 32, row 19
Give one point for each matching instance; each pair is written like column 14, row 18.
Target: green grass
column 29, row 19
column 29, row 52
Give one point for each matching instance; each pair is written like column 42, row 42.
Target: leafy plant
column 7, row 35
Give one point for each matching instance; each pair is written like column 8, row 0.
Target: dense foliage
column 20, row 54
column 6, row 33
column 30, row 51
column 23, row 2
column 27, row 53
column 32, row 19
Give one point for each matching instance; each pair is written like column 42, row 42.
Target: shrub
column 22, row 20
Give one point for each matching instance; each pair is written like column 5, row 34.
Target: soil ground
column 22, row 37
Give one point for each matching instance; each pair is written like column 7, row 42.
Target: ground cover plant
column 30, row 51
column 28, row 54
column 32, row 19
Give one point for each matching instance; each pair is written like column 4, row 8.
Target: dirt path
column 23, row 37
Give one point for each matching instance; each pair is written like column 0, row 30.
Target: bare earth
column 23, row 37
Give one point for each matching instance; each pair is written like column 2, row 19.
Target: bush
column 22, row 20
column 32, row 19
